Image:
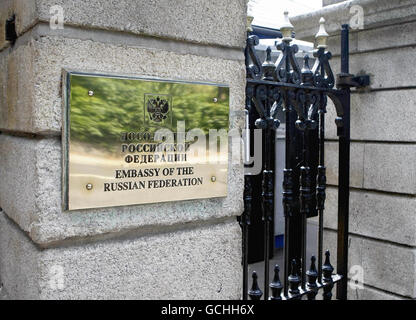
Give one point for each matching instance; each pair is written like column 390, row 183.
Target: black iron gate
column 302, row 94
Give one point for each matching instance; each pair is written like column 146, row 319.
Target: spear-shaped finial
column 255, row 293
column 276, row 286
column 249, row 21
column 268, row 65
column 322, row 35
column 327, row 268
column 294, row 279
column 306, row 67
column 312, row 275
column 268, row 54
column 307, row 75
column 287, row 28
column 327, row 281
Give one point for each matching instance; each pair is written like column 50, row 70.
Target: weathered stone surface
column 356, row 164
column 131, row 40
column 26, row 15
column 390, row 167
column 18, row 166
column 386, row 266
column 35, row 99
column 18, row 267
column 375, row 215
column 329, row 2
column 376, row 13
column 389, row 36
column 384, row 167
column 3, row 294
column 213, row 22
column 378, row 116
column 31, row 194
column 3, row 81
column 368, row 293
column 198, row 263
column 384, row 116
column 18, row 98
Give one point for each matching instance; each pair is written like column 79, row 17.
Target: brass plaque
column 131, row 141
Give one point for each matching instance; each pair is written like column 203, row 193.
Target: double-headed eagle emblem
column 158, row 109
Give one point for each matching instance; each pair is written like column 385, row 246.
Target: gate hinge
column 346, row 80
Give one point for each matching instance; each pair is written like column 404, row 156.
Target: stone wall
column 383, row 150
column 183, row 250
column 329, row 2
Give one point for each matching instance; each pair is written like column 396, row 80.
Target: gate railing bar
column 321, row 184
column 287, row 190
column 305, row 192
column 266, row 258
column 287, row 196
column 244, row 219
column 344, row 173
column 268, row 175
column 244, row 223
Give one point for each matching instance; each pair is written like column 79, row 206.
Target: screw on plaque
column 89, row 186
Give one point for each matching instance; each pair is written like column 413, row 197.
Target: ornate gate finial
column 255, row 293
column 322, row 35
column 307, row 75
column 276, row 285
column 294, row 280
column 312, row 275
column 268, row 66
column 250, row 17
column 287, row 28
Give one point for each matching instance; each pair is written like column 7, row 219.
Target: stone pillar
column 176, row 250
column 383, row 150
column 329, row 2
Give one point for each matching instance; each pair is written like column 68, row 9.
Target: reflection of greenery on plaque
column 117, row 105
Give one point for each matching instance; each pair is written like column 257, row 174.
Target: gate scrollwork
column 302, row 94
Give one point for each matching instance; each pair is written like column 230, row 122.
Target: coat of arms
column 157, row 108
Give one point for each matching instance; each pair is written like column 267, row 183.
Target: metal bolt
column 89, row 186
column 213, row 178
column 215, row 100
column 90, row 93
